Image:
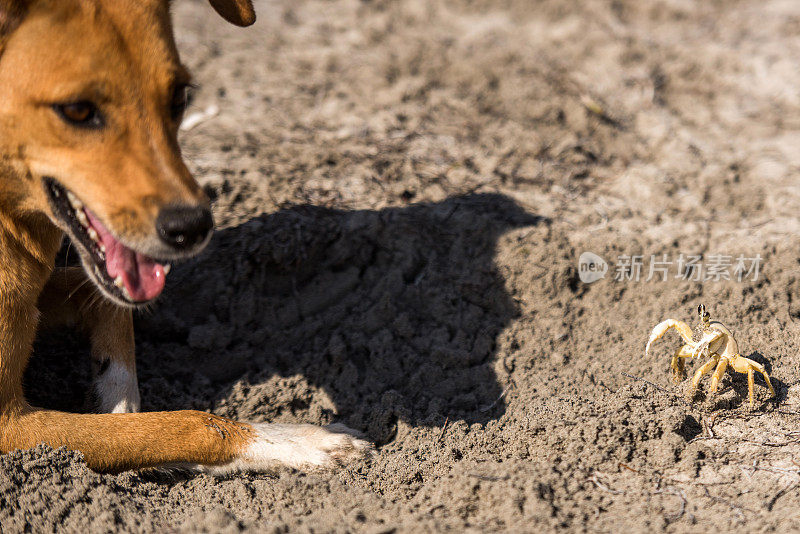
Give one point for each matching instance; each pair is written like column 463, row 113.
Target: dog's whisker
column 76, row 289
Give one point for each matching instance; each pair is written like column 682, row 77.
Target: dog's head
column 91, row 96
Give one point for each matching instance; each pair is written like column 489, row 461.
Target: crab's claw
column 706, row 341
column 662, row 328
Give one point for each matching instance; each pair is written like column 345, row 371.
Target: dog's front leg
column 138, row 440
column 69, row 298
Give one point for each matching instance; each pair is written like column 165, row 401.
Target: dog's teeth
column 82, row 218
column 77, row 204
column 102, row 248
column 118, row 282
column 93, row 234
column 167, row 268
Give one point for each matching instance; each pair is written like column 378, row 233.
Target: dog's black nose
column 183, row 227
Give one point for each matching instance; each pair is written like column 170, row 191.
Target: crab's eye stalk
column 82, row 114
column 701, row 310
column 179, row 101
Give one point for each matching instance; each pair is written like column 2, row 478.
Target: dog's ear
column 11, row 13
column 239, row 12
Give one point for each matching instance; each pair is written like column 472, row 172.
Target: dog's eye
column 83, row 114
column 180, row 99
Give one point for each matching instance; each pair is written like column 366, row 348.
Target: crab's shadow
column 309, row 313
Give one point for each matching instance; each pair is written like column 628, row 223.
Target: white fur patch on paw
column 117, row 390
column 304, row 447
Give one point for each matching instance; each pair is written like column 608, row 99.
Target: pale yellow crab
column 713, row 339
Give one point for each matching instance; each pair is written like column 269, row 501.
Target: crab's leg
column 706, row 341
column 678, row 361
column 662, row 327
column 741, row 364
column 700, row 372
column 718, row 372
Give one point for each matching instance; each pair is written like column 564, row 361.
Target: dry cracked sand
column 402, row 191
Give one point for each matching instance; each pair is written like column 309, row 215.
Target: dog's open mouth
column 123, row 273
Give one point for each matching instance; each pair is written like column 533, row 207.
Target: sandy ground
column 402, row 191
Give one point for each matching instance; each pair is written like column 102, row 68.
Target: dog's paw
column 308, row 447
column 343, row 445
column 303, row 447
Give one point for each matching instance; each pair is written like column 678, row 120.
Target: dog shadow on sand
column 393, row 314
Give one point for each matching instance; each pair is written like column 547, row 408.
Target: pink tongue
column 142, row 277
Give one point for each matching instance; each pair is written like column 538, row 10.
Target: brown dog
column 91, row 96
